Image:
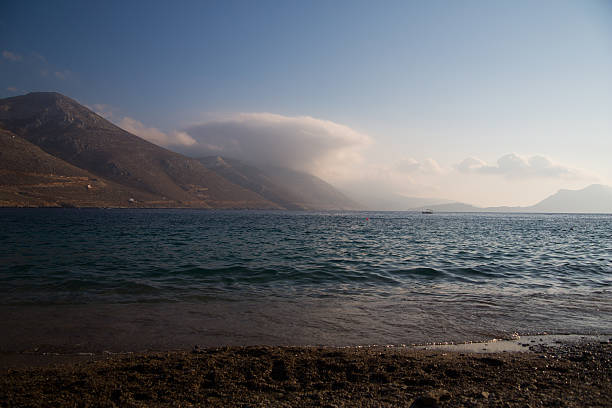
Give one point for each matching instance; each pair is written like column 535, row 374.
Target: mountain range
column 56, row 152
column 596, row 198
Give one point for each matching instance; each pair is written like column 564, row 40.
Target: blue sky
column 415, row 88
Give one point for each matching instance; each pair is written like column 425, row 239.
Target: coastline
column 569, row 374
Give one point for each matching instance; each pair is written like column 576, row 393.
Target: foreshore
column 568, row 375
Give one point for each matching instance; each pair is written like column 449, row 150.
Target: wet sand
column 572, row 374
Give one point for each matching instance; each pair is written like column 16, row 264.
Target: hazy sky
column 486, row 102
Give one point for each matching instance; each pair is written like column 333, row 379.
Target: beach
column 568, row 375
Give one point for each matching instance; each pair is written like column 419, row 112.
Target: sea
column 92, row 280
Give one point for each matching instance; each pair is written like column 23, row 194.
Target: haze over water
column 123, row 279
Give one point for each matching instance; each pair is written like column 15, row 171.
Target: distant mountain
column 595, row 198
column 62, row 128
column 450, row 207
column 290, row 189
column 386, row 201
column 311, row 191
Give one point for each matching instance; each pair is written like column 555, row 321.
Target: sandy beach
column 569, row 375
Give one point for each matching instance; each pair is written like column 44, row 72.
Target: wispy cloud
column 36, row 65
column 39, row 57
column 11, row 56
column 514, row 166
column 11, row 89
column 106, row 111
column 410, row 165
column 63, row 75
column 154, row 135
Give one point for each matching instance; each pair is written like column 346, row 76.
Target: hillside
column 62, row 128
column 30, row 177
column 311, row 191
column 290, row 189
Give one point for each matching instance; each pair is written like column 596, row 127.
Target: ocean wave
column 112, row 256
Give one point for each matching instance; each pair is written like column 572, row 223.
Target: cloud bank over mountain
column 301, row 142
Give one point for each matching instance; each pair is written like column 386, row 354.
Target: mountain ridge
column 592, row 199
column 292, row 189
column 67, row 130
column 57, row 130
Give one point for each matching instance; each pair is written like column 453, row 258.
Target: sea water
column 97, row 279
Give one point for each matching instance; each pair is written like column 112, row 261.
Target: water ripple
column 468, row 260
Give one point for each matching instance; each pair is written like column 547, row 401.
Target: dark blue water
column 222, row 277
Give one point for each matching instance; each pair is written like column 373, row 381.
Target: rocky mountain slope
column 31, row 177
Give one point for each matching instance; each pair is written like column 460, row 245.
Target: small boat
column 427, row 211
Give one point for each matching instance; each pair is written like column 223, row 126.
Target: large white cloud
column 512, row 165
column 301, row 142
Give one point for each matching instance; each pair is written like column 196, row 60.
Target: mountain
column 387, row 201
column 595, row 198
column 56, row 152
column 451, row 207
column 71, row 134
column 31, row 177
column 290, row 189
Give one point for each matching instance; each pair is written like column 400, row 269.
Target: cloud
column 63, row 75
column 470, row 164
column 39, row 57
column 106, row 111
column 514, row 166
column 410, row 165
column 11, row 89
column 431, row 166
column 11, row 56
column 36, row 65
column 304, row 143
column 154, row 135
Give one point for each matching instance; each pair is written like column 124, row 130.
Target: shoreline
column 48, row 356
column 568, row 374
column 264, row 209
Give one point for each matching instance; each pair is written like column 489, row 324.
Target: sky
column 488, row 103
